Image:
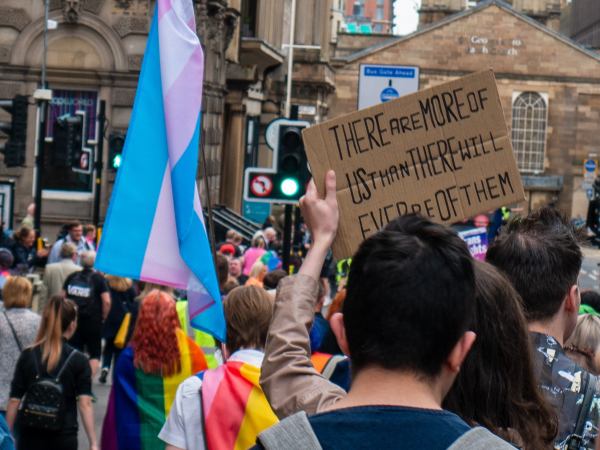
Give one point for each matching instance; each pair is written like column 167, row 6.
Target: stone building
column 378, row 14
column 95, row 54
column 548, row 84
column 583, row 23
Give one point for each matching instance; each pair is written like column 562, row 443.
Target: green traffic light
column 116, row 163
column 289, row 187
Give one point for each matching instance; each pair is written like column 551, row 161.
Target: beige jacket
column 55, row 275
column 288, row 377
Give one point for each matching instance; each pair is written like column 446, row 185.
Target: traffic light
column 14, row 148
column 67, row 140
column 292, row 167
column 286, row 181
column 116, row 142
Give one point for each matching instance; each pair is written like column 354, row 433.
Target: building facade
column 94, row 54
column 549, row 88
column 376, row 16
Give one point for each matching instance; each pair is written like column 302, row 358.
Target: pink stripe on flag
column 182, row 103
column 175, row 39
column 162, row 260
column 209, row 389
column 164, row 6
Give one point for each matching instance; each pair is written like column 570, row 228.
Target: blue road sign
column 590, row 165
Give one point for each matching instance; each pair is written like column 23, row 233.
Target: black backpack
column 80, row 289
column 43, row 406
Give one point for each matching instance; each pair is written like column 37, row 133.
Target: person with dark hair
column 591, row 298
column 405, row 324
column 51, row 357
column 75, row 236
column 239, row 410
column 6, row 262
column 222, row 267
column 541, row 257
column 25, row 254
column 272, row 279
column 491, row 390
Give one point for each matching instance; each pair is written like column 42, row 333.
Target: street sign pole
column 39, row 166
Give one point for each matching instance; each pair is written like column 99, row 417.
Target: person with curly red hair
column 159, row 357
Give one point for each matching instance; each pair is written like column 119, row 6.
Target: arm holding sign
column 288, row 377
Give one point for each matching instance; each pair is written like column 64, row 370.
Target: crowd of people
column 410, row 344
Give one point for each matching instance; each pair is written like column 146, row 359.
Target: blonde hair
column 149, row 287
column 583, row 343
column 16, row 293
column 58, row 314
column 258, row 271
column 119, row 284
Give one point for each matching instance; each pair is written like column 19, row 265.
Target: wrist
column 323, row 242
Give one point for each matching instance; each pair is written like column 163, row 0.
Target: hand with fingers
column 321, row 214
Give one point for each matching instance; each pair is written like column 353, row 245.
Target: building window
column 379, row 13
column 529, row 121
column 251, row 154
column 248, row 18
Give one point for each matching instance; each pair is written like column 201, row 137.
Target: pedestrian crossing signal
column 116, row 142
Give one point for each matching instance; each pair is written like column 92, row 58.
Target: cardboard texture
column 443, row 152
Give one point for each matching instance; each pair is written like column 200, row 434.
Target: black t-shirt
column 76, row 380
column 121, row 303
column 369, row 427
column 85, row 288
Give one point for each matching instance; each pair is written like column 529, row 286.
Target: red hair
column 154, row 341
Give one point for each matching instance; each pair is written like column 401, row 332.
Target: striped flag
column 234, row 406
column 139, row 403
column 154, row 228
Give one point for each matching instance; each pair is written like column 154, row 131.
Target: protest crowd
column 412, row 343
column 425, row 338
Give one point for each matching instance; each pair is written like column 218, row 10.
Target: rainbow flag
column 139, row 403
column 234, row 406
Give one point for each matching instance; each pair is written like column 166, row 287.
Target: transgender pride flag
column 154, row 228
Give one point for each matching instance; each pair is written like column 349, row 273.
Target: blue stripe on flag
column 135, row 194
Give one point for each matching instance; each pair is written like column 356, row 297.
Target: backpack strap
column 14, row 333
column 292, row 433
column 331, row 365
column 64, row 366
column 479, row 438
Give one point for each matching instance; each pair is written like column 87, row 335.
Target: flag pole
column 211, row 223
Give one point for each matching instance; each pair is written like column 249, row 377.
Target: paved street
column 102, row 391
column 590, row 272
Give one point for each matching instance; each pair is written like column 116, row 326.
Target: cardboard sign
column 444, row 152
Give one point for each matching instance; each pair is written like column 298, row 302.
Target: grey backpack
column 295, row 433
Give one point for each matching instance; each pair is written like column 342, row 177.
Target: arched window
column 529, row 120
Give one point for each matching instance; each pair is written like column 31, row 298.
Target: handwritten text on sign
column 443, row 152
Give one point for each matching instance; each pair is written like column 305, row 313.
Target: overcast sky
column 406, row 16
